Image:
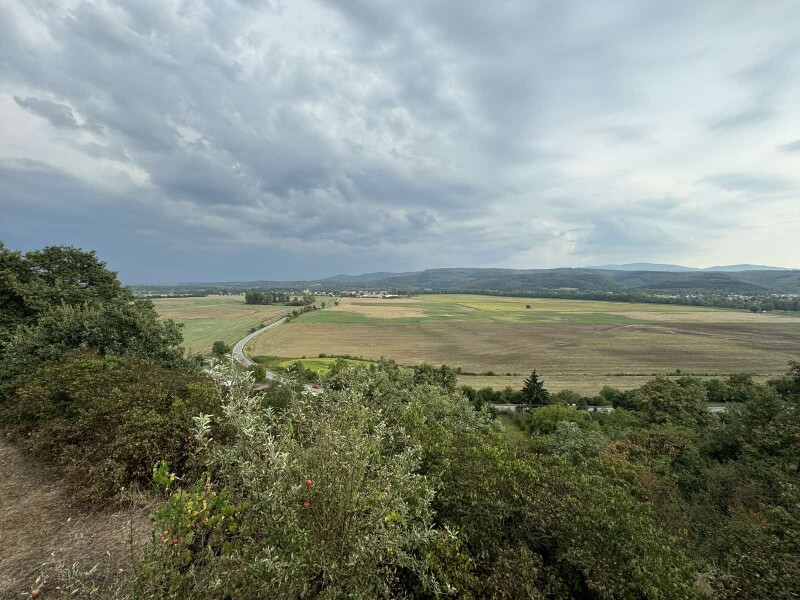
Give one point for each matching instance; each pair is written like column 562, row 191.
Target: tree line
column 286, row 298
column 757, row 303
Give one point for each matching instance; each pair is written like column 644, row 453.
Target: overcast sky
column 254, row 139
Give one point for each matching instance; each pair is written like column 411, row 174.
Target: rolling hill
column 588, row 280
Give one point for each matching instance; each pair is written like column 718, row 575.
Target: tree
column 33, row 283
column 662, row 400
column 534, row 392
column 444, row 376
column 220, row 349
column 116, row 326
column 330, row 498
column 546, row 420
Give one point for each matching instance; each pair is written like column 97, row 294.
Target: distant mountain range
column 643, row 277
column 744, row 279
column 364, row 277
column 667, row 268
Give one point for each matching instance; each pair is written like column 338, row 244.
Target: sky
column 238, row 140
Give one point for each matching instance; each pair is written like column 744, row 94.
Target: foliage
column 567, row 397
column 534, row 392
column 330, row 500
column 571, row 441
column 60, row 299
column 117, row 327
column 107, row 420
column 37, row 281
column 664, row 401
column 220, row 349
column 544, row 420
column 445, row 377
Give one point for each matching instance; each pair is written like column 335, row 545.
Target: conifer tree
column 534, row 392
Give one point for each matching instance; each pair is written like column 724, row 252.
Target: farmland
column 212, row 318
column 575, row 344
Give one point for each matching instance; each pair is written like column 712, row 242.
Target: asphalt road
column 238, row 349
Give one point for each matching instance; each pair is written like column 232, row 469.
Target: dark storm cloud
column 388, row 134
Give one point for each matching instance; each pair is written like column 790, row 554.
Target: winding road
column 238, row 349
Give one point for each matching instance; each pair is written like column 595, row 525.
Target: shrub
column 220, row 349
column 545, row 420
column 330, row 501
column 107, row 420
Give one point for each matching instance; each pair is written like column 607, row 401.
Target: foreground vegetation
column 393, row 483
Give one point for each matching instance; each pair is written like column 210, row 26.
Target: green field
column 320, row 365
column 574, row 344
column 212, row 318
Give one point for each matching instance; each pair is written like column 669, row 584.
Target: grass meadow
column 574, row 344
column 212, row 318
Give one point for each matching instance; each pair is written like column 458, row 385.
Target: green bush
column 388, row 487
column 107, row 420
column 324, row 499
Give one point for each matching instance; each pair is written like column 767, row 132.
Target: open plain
column 210, row 318
column 574, row 344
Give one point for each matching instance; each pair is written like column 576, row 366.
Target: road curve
column 238, row 349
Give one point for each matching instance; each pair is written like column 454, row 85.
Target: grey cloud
column 791, row 146
column 60, row 115
column 741, row 182
column 416, row 130
column 750, row 116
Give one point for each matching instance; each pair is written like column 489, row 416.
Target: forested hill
column 564, row 280
column 588, row 280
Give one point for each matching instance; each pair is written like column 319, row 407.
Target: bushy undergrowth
column 392, row 486
column 324, row 498
column 107, row 420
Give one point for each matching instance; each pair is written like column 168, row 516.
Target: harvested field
column 385, row 309
column 577, row 346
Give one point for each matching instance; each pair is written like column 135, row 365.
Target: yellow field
column 574, row 344
column 206, row 320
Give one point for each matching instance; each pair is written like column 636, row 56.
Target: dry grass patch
column 570, row 352
column 49, row 542
column 714, row 316
column 382, row 309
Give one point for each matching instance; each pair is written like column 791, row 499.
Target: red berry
column 309, row 483
column 306, row 504
column 175, row 542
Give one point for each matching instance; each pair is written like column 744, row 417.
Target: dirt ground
column 49, row 542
